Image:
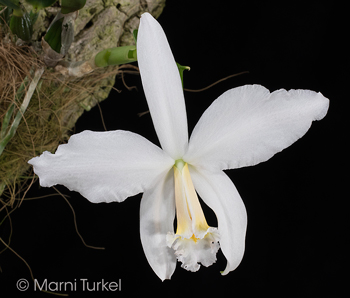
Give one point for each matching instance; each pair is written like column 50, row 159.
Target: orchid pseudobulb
column 243, row 127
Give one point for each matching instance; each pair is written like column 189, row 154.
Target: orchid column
column 243, row 127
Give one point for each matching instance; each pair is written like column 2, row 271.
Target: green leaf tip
column 181, row 71
column 53, row 35
column 14, row 4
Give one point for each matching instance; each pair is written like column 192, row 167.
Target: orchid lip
column 194, row 240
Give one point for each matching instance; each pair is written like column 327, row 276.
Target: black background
column 296, row 236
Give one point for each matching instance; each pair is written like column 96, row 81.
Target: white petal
column 220, row 194
column 248, row 125
column 103, row 166
column 157, row 213
column 162, row 85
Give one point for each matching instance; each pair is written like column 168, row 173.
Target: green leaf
column 5, row 16
column 68, row 6
column 6, row 120
column 53, row 35
column 22, row 26
column 19, row 94
column 14, row 4
column 39, row 4
column 134, row 34
column 5, row 138
column 33, row 16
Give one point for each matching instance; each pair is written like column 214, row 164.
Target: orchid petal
column 103, row 166
column 220, row 194
column 162, row 86
column 248, row 125
column 157, row 213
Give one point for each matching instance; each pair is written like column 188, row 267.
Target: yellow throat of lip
column 191, row 222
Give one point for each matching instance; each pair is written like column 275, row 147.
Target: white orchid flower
column 243, row 127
